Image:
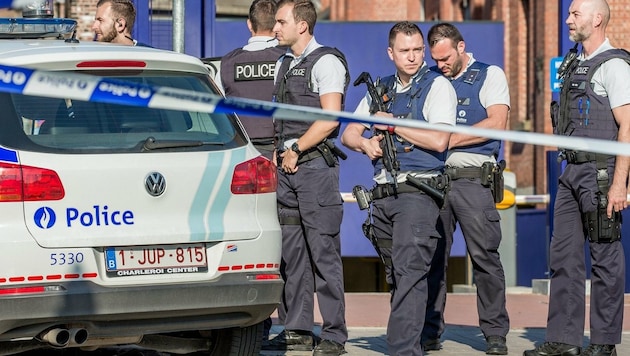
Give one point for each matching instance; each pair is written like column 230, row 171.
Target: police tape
column 76, row 86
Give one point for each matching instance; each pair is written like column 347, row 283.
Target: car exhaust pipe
column 57, row 337
column 78, row 336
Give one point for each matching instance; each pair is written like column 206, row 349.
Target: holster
column 490, row 176
column 327, row 153
column 599, row 227
column 368, row 231
column 498, row 182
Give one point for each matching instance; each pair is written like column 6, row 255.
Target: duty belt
column 466, row 172
column 577, row 157
column 381, row 191
column 308, row 155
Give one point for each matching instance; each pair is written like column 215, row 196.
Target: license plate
column 159, row 259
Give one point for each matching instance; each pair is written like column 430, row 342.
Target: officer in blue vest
column 592, row 191
column 404, row 217
column 310, row 207
column 248, row 72
column 483, row 101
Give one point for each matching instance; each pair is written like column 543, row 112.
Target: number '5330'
column 62, row 258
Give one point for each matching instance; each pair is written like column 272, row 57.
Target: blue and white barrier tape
column 98, row 89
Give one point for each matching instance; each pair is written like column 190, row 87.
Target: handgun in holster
column 492, row 177
column 368, row 231
column 436, row 188
column 328, row 150
column 599, row 227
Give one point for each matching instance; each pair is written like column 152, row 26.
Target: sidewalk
column 367, row 313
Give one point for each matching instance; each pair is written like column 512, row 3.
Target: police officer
column 592, row 191
column 404, row 215
column 309, row 203
column 483, row 101
column 114, row 21
column 248, row 72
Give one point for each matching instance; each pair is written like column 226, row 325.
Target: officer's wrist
column 391, row 129
column 295, row 147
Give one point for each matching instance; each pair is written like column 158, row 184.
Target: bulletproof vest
column 249, row 74
column 293, row 86
column 408, row 105
column 469, row 108
column 582, row 112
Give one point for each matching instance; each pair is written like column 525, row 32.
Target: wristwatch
column 295, row 148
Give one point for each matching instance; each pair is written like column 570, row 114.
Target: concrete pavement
column 367, row 313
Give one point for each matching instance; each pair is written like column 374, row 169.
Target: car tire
column 236, row 341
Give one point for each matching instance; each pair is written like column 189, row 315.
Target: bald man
column 592, row 192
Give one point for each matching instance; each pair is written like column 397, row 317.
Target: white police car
column 126, row 224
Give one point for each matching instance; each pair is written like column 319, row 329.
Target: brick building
column 532, row 30
column 531, row 27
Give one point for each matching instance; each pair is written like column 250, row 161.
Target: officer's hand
column 382, row 127
column 617, row 199
column 372, row 147
column 289, row 161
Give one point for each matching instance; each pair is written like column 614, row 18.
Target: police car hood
column 146, row 198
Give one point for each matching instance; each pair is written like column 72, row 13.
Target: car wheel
column 236, row 341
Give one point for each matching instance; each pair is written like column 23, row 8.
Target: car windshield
column 80, row 126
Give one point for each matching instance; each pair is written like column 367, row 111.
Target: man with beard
column 592, row 191
column 114, row 21
column 483, row 101
column 403, row 217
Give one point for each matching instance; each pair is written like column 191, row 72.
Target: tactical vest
column 469, row 108
column 582, row 112
column 293, row 86
column 408, row 105
column 249, row 74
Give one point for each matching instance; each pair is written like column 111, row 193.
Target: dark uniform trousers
column 565, row 322
column 311, row 252
column 473, row 206
column 409, row 220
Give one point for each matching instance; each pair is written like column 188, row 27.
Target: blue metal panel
column 162, row 34
column 532, row 246
column 564, row 43
column 142, row 27
column 208, row 21
column 194, row 30
column 365, row 46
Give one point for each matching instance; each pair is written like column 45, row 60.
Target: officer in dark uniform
column 592, row 191
column 404, row 211
column 310, row 207
column 248, row 72
column 476, row 184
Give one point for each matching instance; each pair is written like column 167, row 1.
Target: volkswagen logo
column 155, row 184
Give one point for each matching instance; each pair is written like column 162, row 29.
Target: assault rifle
column 376, row 93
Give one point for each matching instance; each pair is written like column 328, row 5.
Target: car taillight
column 255, row 176
column 24, row 183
